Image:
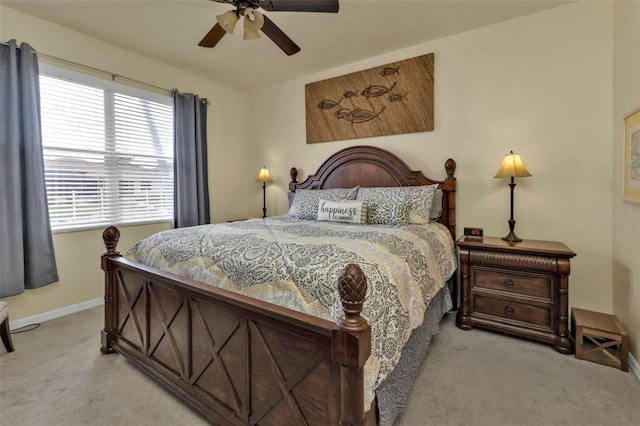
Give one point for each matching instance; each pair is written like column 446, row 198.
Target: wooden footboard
column 237, row 360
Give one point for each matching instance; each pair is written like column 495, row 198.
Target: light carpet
column 57, row 376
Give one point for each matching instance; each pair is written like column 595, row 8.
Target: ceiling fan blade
column 328, row 6
column 280, row 38
column 213, row 36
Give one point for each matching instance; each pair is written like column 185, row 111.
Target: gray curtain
column 27, row 259
column 191, row 187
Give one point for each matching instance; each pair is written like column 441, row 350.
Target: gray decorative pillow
column 305, row 202
column 389, row 213
column 436, row 206
column 420, row 198
column 343, row 211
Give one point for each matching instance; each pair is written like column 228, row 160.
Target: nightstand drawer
column 513, row 310
column 512, row 282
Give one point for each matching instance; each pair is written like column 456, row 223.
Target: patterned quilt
column 296, row 264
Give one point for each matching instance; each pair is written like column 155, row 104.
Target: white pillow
column 342, row 211
column 420, row 197
column 305, row 201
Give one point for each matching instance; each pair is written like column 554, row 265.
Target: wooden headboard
column 368, row 166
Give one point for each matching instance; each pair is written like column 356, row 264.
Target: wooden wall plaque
column 385, row 100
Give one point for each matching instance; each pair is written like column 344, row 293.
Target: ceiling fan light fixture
column 256, row 23
column 253, row 21
column 228, row 20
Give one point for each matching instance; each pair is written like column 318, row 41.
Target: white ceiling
column 169, row 31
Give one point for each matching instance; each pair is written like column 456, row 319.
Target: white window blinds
column 108, row 152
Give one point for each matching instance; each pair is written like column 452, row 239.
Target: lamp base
column 264, row 200
column 512, row 238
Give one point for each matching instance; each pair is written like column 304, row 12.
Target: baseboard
column 67, row 310
column 634, row 366
column 56, row 313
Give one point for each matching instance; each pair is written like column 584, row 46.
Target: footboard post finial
column 110, row 237
column 352, row 345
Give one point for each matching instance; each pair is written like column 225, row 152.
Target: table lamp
column 264, row 176
column 512, row 167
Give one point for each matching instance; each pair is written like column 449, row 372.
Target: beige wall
column 540, row 85
column 625, row 216
column 78, row 262
column 77, row 253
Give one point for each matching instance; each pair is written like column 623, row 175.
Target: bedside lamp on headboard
column 264, row 176
column 512, row 167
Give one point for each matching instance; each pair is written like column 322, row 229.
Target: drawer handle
column 509, row 310
column 508, row 283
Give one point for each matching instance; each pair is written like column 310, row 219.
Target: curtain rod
column 113, row 75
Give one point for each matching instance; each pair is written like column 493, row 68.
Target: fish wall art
column 385, row 100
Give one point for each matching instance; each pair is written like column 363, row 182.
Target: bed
column 241, row 357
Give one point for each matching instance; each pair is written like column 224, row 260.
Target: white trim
column 56, row 313
column 634, row 366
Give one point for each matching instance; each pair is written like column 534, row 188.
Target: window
column 108, row 151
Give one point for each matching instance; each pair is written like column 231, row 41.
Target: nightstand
column 520, row 289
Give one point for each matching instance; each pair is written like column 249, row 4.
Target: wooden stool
column 600, row 338
column 5, row 334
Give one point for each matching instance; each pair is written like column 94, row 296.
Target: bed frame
column 240, row 361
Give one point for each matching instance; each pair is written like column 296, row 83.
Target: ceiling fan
column 255, row 21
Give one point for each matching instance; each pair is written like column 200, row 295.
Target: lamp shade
column 253, row 21
column 228, row 20
column 512, row 166
column 264, row 175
